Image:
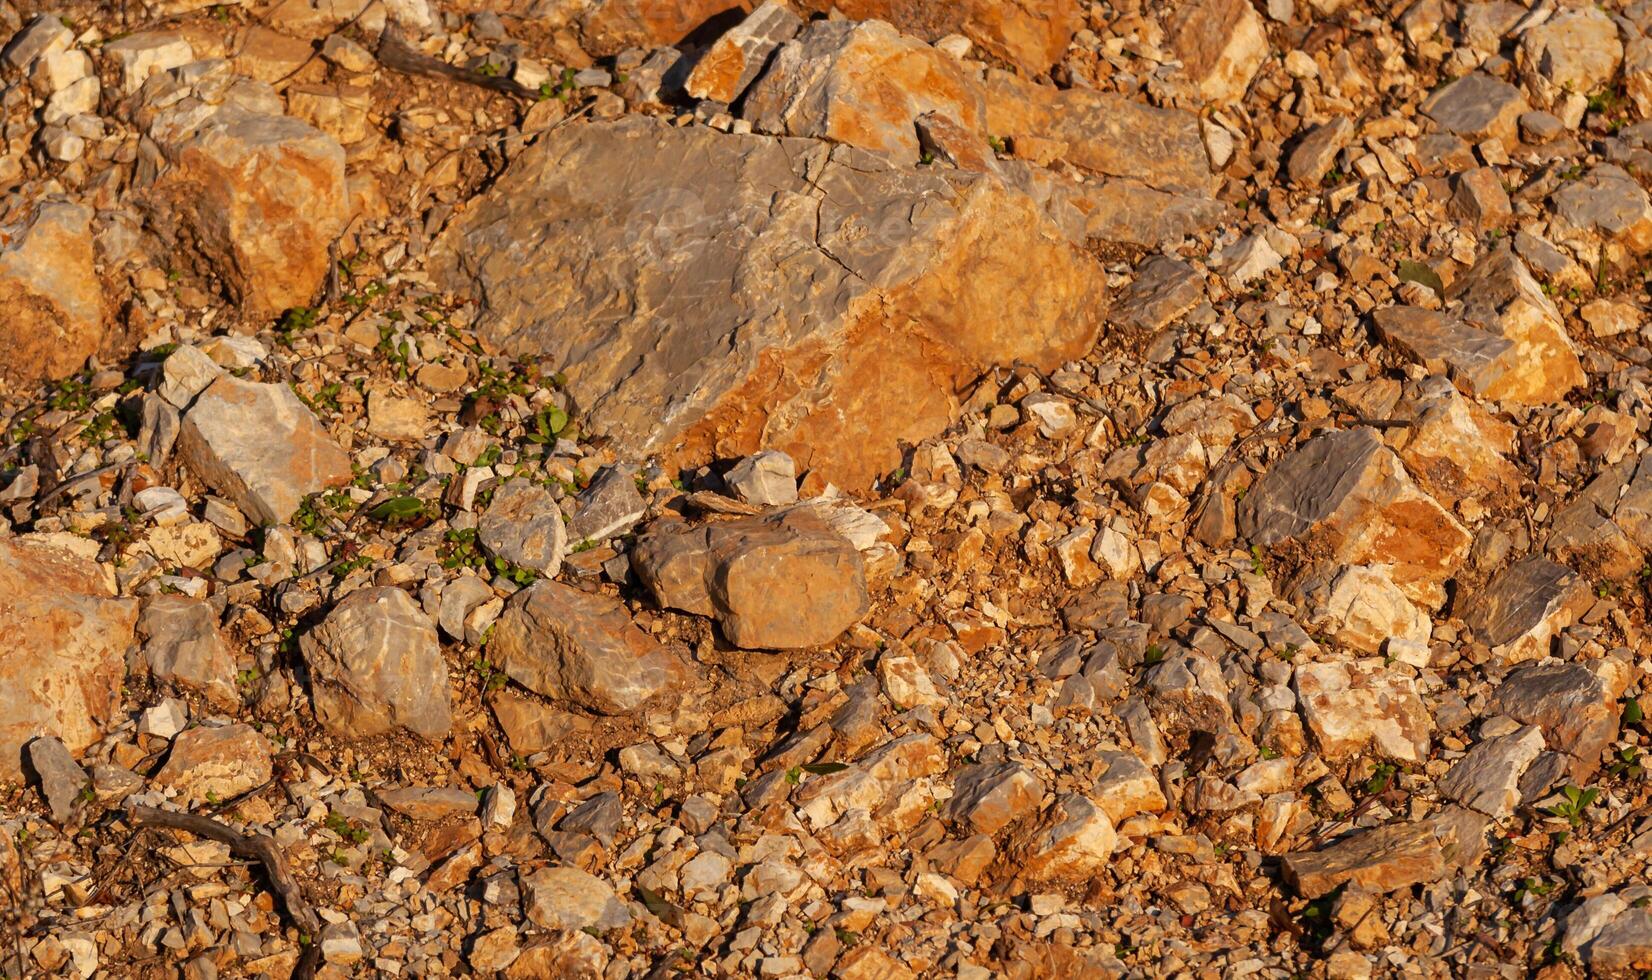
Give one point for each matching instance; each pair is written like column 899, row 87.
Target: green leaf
column 1633, row 714
column 398, row 509
column 824, row 768
column 1573, row 793
column 1417, row 272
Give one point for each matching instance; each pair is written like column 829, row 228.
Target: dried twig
column 261, row 848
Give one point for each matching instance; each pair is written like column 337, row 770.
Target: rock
column 183, row 646
column 942, row 139
column 138, row 56
column 49, row 287
column 394, row 418
column 568, row 898
column 1164, row 289
column 566, row 644
column 524, row 526
column 186, row 373
column 862, row 83
column 1345, row 493
column 765, row 479
column 1316, row 151
column 1072, row 841
column 62, row 783
column 749, row 574
column 1350, row 707
column 987, row 797
column 261, row 196
column 1030, row 33
column 610, row 505
column 62, row 669
column 1476, row 107
column 213, row 764
column 1220, row 43
column 1248, row 259
column 376, row 666
column 1569, row 702
column 1480, row 200
column 1128, row 212
column 1105, row 133
column 1127, row 787
column 1576, row 50
column 430, row 803
column 44, row 36
column 1624, row 947
column 1606, row 207
column 1526, row 606
column 733, row 60
column 1487, row 779
column 1189, row 693
column 1478, row 362
column 1381, row 860
column 259, row 446
column 569, row 953
column 859, row 308
column 608, row 27
column 1451, row 448
column 1500, row 296
column 1364, row 609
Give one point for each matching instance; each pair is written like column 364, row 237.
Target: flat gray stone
column 61, row 780
column 1525, row 606
column 1487, row 779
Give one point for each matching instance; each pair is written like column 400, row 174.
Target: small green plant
column 997, row 144
column 492, row 678
column 548, row 423
column 1381, row 778
column 294, row 321
column 1154, row 654
column 1626, row 764
column 1258, row 564
column 401, row 510
column 1574, row 801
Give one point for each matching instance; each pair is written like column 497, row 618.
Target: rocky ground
column 1025, row 488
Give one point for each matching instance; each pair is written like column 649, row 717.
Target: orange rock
column 50, row 291
column 1032, row 34
column 63, row 663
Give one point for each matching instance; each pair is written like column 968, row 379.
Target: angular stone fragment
column 1345, row 494
column 870, row 781
column 1576, row 50
column 217, row 763
column 988, row 797
column 61, row 781
column 1451, row 448
column 50, row 291
column 1189, row 693
column 138, row 56
column 1126, row 211
column 1572, row 704
column 63, row 663
column 1364, row 609
column 1317, row 150
column 944, row 140
column 1220, row 43
column 258, row 445
column 568, row 898
column 765, row 479
column 1478, row 361
column 608, row 27
column 1476, row 107
column 785, row 582
column 183, row 645
column 1127, row 788
column 524, row 526
column 376, row 666
column 609, row 505
column 1607, row 207
column 563, row 643
column 1071, row 841
column 1487, row 779
column 862, row 83
column 429, row 802
column 1105, row 133
column 261, row 196
column 1382, row 860
column 1164, row 289
column 733, row 60
column 1624, row 947
column 1526, row 606
column 1350, row 707
column 732, row 296
column 1498, row 294
column 1480, row 200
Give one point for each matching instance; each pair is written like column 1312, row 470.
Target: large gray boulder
column 709, row 294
